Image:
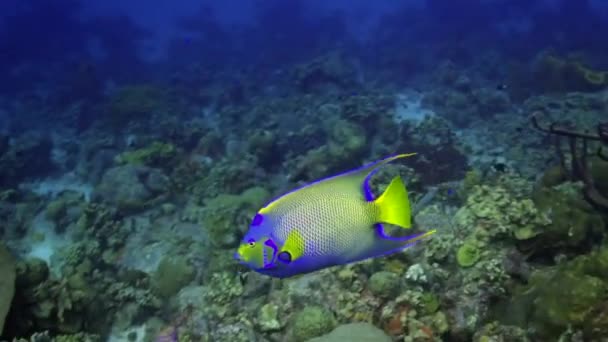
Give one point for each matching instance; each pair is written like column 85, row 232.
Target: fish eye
column 251, row 242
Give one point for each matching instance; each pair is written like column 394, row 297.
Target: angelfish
column 332, row 221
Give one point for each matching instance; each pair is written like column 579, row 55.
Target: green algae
column 468, row 254
column 553, row 176
column 429, row 303
column 171, row 275
column 565, row 298
column 556, row 73
column 499, row 212
column 384, row 284
column 472, row 178
column 571, row 295
column 312, row 321
column 156, row 154
column 573, row 220
column 269, row 318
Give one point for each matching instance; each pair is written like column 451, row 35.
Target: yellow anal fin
column 394, row 205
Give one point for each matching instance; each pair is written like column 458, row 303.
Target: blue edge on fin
column 383, row 235
column 369, row 196
column 367, row 189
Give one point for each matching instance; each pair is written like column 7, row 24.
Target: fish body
column 333, row 221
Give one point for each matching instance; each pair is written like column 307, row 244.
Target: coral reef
column 171, row 275
column 131, row 187
column 227, row 176
column 443, row 158
column 157, row 154
column 164, row 184
column 135, row 102
column 311, row 321
column 7, row 283
column 355, row 332
column 24, row 157
column 496, row 331
column 69, row 303
column 459, row 100
column 599, row 172
column 227, row 216
column 268, row 318
column 346, row 144
column 498, row 213
column 574, row 222
column 468, row 254
column 324, row 72
column 16, row 215
column 127, row 179
column 370, row 110
column 384, row 284
column 569, row 295
column 555, row 74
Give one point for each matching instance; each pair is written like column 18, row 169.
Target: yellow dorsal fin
column 350, row 183
column 394, row 205
column 294, row 245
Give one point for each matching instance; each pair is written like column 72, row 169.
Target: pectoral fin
column 293, row 248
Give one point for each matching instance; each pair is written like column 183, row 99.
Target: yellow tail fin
column 394, row 205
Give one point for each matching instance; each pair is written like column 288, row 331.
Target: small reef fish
column 332, row 221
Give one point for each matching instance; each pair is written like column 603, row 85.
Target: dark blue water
column 139, row 139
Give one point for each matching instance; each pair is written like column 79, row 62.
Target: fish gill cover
column 139, row 140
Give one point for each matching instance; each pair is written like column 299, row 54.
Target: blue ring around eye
column 257, row 220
